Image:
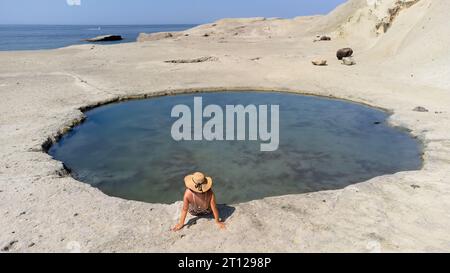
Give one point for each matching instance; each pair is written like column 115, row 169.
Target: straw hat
column 198, row 182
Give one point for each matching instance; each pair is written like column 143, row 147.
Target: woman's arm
column 184, row 211
column 216, row 211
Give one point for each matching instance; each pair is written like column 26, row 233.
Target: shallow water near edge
column 126, row 149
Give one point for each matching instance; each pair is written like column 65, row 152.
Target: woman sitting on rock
column 199, row 199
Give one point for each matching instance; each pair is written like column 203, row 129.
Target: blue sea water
column 34, row 37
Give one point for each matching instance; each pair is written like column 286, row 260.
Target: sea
column 37, row 37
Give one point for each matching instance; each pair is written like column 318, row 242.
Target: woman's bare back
column 199, row 203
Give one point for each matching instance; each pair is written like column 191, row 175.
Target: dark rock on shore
column 105, row 38
column 344, row 52
column 322, row 38
column 420, row 109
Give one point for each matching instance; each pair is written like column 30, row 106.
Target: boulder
column 105, row 38
column 420, row 109
column 322, row 38
column 319, row 62
column 348, row 61
column 344, row 52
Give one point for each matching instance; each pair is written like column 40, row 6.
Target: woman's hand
column 216, row 212
column 221, row 225
column 177, row 227
column 184, row 212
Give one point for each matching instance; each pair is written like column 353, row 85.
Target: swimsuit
column 197, row 210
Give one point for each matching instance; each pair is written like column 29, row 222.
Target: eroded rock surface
column 42, row 92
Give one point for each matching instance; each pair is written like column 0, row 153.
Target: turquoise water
column 126, row 149
column 33, row 37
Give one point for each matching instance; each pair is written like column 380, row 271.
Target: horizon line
column 146, row 24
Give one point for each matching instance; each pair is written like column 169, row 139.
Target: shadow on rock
column 225, row 212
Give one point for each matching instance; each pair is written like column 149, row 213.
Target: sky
column 101, row 12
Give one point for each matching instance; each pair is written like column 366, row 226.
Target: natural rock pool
column 126, row 149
